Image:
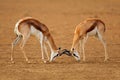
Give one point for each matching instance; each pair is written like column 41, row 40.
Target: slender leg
column 80, row 47
column 75, row 42
column 104, row 44
column 26, row 58
column 13, row 44
column 22, row 46
column 51, row 51
column 45, row 49
column 42, row 48
column 83, row 46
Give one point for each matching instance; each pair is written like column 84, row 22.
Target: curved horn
column 65, row 51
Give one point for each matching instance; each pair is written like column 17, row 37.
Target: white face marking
column 53, row 56
column 76, row 55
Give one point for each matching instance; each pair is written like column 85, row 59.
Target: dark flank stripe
column 39, row 26
column 92, row 26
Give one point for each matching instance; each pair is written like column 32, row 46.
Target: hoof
column 106, row 59
column 84, row 59
column 45, row 61
column 48, row 59
column 28, row 62
column 12, row 62
column 78, row 60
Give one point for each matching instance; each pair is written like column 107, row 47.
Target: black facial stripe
column 67, row 52
column 55, row 56
column 75, row 55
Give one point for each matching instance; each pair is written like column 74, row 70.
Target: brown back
column 92, row 26
column 39, row 26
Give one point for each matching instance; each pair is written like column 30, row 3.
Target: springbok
column 90, row 27
column 28, row 26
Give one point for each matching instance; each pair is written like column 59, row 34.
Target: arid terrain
column 61, row 17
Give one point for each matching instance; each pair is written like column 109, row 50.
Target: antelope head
column 75, row 54
column 60, row 52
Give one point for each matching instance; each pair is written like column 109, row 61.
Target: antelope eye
column 75, row 55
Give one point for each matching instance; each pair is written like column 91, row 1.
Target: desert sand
column 61, row 17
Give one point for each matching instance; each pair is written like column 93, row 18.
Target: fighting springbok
column 30, row 26
column 90, row 27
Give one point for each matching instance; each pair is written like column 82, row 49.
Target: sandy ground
column 61, row 17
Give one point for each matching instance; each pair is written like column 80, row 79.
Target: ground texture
column 61, row 17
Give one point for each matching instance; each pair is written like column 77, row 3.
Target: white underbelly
column 36, row 32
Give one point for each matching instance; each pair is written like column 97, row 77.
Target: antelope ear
column 72, row 51
column 59, row 50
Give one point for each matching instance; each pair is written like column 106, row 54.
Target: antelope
column 90, row 27
column 28, row 26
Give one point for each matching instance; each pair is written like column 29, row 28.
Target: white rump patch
column 16, row 28
column 18, row 23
